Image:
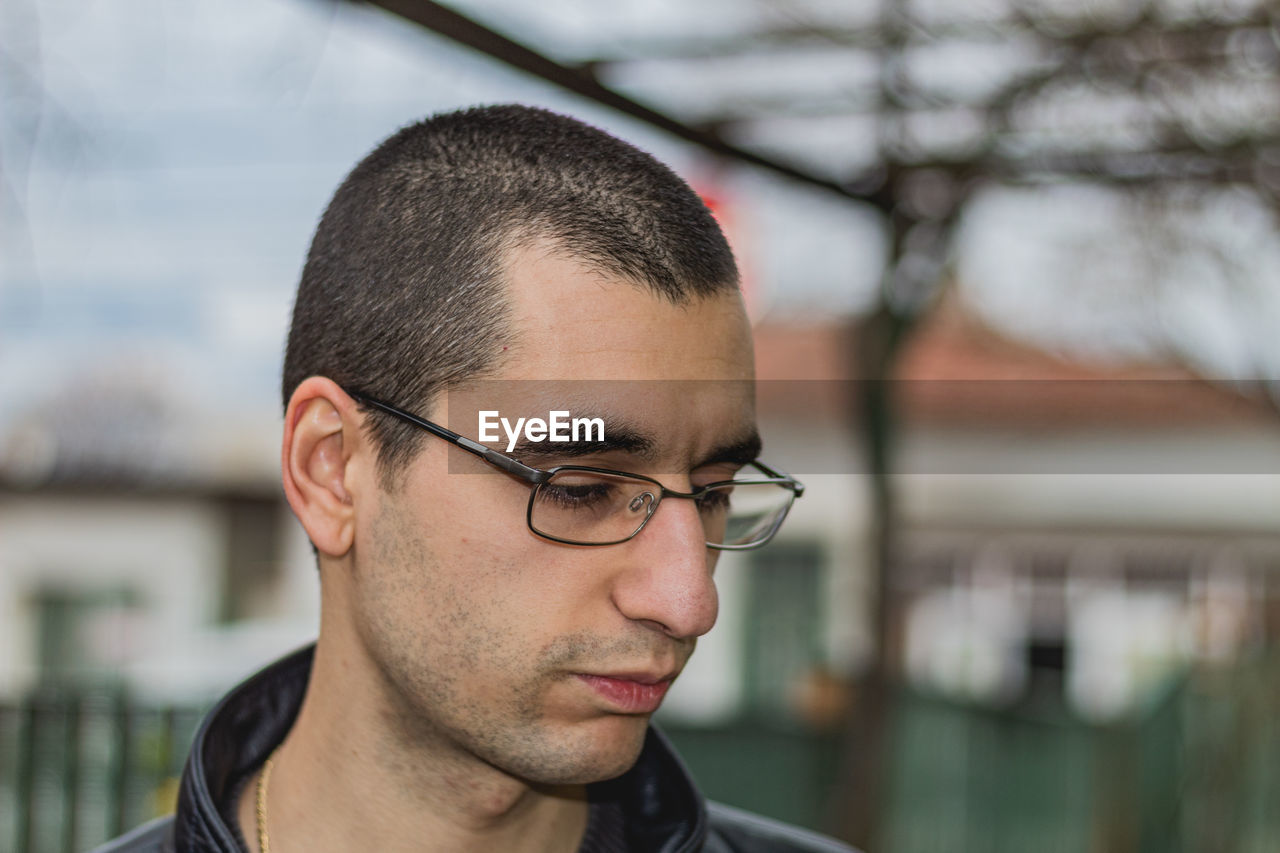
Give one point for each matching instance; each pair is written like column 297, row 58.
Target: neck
column 349, row 777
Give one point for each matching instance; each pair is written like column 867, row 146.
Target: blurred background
column 1014, row 267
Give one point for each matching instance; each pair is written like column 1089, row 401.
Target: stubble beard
column 411, row 621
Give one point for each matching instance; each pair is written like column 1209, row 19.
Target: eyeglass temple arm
column 796, row 485
column 493, row 457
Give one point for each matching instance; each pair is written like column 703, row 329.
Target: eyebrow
column 741, row 452
column 626, row 439
column 618, row 437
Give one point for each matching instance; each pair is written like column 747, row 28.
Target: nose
column 667, row 582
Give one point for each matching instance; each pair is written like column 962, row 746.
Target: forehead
column 595, row 345
column 571, row 321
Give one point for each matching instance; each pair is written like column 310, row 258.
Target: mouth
column 630, row 692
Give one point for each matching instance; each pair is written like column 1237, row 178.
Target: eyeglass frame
column 537, row 477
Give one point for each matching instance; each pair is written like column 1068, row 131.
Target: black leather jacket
column 664, row 812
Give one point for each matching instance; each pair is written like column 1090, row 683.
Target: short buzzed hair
column 402, row 294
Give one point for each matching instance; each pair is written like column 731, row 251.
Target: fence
column 1198, row 772
column 76, row 769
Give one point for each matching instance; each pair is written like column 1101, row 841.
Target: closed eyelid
column 640, row 450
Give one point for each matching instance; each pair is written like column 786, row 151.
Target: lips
column 630, row 693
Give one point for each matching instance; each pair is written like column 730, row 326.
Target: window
column 83, row 635
column 785, row 625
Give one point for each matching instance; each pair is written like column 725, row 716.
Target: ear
column 322, row 453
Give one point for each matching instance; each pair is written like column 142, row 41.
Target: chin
column 601, row 750
column 614, row 763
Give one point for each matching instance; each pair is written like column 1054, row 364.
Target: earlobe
column 320, row 449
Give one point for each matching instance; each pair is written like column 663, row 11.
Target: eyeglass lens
column 593, row 508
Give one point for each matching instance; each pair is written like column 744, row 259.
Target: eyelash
column 599, row 493
column 563, row 495
column 715, row 500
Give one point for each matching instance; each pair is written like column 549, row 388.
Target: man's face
column 532, row 655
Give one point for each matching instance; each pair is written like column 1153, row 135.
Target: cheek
column 459, row 589
column 485, row 553
column 475, row 518
column 453, row 602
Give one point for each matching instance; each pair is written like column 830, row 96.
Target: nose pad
column 643, row 501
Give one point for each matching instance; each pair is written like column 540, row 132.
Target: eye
column 714, row 474
column 575, row 495
column 716, row 500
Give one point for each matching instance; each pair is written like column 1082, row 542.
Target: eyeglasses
column 580, row 505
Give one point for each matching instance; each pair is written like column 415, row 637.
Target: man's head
column 482, row 254
column 402, row 293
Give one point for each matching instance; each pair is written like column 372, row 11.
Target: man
column 499, row 619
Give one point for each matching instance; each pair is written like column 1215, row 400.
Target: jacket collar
column 663, row 809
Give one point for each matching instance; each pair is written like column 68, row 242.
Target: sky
column 164, row 165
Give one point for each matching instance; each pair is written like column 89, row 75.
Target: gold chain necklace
column 264, row 842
